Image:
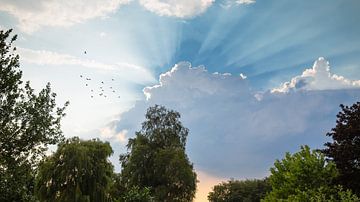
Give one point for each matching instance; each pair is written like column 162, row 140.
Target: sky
column 251, row 79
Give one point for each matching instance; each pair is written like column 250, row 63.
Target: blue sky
column 298, row 61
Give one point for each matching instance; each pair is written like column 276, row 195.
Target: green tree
column 135, row 194
column 78, row 171
column 303, row 171
column 157, row 159
column 29, row 122
column 323, row 194
column 240, row 191
column 344, row 151
column 119, row 193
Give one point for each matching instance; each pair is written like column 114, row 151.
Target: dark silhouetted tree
column 77, row 171
column 29, row 122
column 240, row 191
column 345, row 148
column 157, row 159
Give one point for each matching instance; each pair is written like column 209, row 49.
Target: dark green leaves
column 29, row 122
column 78, row 170
column 344, row 151
column 235, row 191
column 157, row 159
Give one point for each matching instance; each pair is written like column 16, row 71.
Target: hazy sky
column 251, row 80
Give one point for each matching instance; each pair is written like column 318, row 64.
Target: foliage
column 135, row 194
column 78, row 171
column 157, row 158
column 321, row 194
column 117, row 189
column 28, row 124
column 344, row 151
column 237, row 191
column 303, row 171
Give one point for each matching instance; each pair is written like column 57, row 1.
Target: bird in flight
column 85, row 52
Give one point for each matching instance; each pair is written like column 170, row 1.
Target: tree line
column 155, row 166
column 329, row 174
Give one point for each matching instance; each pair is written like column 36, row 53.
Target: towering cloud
column 317, row 78
column 236, row 132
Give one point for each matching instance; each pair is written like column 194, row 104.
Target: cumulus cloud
column 110, row 133
column 318, row 77
column 132, row 72
column 33, row 14
column 234, row 131
column 175, row 8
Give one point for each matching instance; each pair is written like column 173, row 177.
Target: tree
column 78, row 171
column 303, row 171
column 237, row 191
column 28, row 124
column 345, row 148
column 135, row 194
column 323, row 194
column 157, row 159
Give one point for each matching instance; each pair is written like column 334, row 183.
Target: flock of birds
column 101, row 89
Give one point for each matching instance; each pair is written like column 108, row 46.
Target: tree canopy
column 157, row 158
column 236, row 191
column 78, row 171
column 300, row 172
column 344, row 151
column 29, row 122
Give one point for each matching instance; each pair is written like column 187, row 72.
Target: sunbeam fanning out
column 251, row 79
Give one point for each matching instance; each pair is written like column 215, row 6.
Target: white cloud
column 243, row 76
column 226, row 119
column 122, row 136
column 318, row 77
column 175, row 8
column 44, row 57
column 33, row 14
column 110, row 133
column 102, row 34
column 128, row 71
column 230, row 3
column 245, row 1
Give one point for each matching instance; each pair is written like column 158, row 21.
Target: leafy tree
column 345, row 148
column 240, row 191
column 135, row 194
column 119, row 193
column 78, row 171
column 157, row 159
column 323, row 194
column 303, row 171
column 29, row 122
